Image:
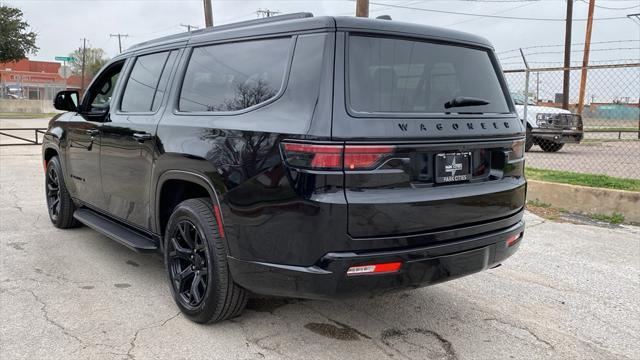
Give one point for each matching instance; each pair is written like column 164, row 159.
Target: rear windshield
column 388, row 75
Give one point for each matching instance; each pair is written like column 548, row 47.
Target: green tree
column 95, row 58
column 16, row 41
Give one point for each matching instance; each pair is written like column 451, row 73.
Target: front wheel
column 550, row 146
column 196, row 264
column 59, row 203
column 529, row 140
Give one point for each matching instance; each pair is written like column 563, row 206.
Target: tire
column 550, row 146
column 59, row 203
column 195, row 258
column 529, row 139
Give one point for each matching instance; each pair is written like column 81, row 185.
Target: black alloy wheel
column 59, row 203
column 196, row 261
column 188, row 264
column 53, row 193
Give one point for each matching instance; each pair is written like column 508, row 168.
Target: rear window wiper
column 465, row 101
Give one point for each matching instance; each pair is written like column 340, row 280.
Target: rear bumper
column 421, row 266
column 559, row 136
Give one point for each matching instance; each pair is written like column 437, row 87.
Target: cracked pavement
column 572, row 291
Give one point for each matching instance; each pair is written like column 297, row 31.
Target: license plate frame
column 453, row 167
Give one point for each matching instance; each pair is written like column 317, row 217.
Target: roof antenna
column 384, row 17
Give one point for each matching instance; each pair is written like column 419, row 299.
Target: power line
column 489, row 16
column 606, row 61
column 574, row 44
column 562, row 52
column 612, row 8
column 495, row 13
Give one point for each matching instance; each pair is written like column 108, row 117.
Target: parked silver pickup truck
column 548, row 127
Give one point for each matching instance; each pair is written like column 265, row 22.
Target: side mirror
column 67, row 100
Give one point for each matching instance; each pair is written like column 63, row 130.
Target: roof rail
column 293, row 16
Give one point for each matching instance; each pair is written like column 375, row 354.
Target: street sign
column 64, row 72
column 65, row 58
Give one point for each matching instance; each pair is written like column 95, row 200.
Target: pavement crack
column 390, row 335
column 348, row 327
column 522, row 328
column 537, row 224
column 132, row 342
column 48, row 319
column 257, row 341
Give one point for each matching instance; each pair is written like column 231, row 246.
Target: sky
column 61, row 24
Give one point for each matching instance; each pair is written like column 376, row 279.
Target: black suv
column 311, row 157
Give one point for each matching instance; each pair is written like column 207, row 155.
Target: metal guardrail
column 33, row 141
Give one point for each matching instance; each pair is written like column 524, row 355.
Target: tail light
column 357, row 157
column 335, row 157
column 311, row 156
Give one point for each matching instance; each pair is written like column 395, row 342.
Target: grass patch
column 538, row 203
column 543, row 209
column 10, row 115
column 614, row 218
column 592, row 180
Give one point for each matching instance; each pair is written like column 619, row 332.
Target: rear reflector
column 375, row 268
column 216, row 213
column 335, row 157
column 511, row 240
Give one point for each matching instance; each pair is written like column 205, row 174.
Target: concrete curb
column 586, row 200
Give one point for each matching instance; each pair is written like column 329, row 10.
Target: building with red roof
column 34, row 80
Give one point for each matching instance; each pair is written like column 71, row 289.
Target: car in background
column 548, row 127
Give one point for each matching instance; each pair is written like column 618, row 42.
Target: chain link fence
column 610, row 143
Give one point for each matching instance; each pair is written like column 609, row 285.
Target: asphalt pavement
column 571, row 292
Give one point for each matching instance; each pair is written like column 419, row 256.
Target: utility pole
column 84, row 51
column 208, row 13
column 119, row 36
column 567, row 55
column 362, row 8
column 585, row 56
column 636, row 19
column 266, row 13
column 537, row 86
column 189, row 27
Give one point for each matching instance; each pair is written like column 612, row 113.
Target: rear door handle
column 92, row 132
column 142, row 136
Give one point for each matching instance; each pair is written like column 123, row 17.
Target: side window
column 101, row 91
column 234, row 76
column 103, row 97
column 143, row 81
column 164, row 79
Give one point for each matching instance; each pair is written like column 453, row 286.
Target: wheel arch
column 49, row 152
column 175, row 186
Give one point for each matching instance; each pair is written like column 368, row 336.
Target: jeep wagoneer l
column 299, row 156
